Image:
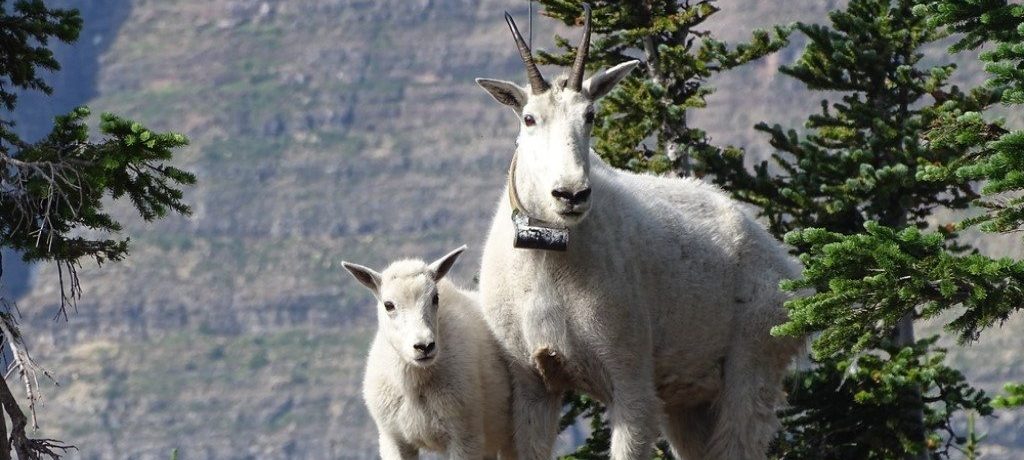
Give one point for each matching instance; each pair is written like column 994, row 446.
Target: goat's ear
column 441, row 266
column 602, row 82
column 505, row 92
column 365, row 275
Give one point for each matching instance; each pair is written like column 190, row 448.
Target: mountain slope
column 321, row 130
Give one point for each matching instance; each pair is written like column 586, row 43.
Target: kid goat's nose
column 569, row 197
column 425, row 348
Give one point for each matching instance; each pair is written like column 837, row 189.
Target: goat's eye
column 529, row 120
column 435, row 299
column 389, row 306
column 589, row 117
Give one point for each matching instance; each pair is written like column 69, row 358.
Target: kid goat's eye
column 435, row 298
column 389, row 306
column 528, row 119
column 589, row 117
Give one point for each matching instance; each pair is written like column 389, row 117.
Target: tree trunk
column 18, row 421
column 904, row 337
column 5, row 445
column 673, row 149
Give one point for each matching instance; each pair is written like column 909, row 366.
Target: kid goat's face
column 408, row 304
column 407, row 314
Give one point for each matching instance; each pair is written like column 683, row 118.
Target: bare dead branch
column 23, row 364
column 25, row 447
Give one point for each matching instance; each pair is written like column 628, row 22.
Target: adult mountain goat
column 434, row 379
column 660, row 305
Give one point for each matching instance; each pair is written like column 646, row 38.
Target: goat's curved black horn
column 579, row 65
column 537, row 82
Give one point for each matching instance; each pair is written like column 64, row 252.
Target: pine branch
column 51, row 190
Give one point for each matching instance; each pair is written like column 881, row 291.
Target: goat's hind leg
column 688, row 430
column 508, row 453
column 745, row 419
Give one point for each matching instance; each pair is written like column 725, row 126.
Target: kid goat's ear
column 364, row 275
column 441, row 266
column 505, row 92
column 602, row 82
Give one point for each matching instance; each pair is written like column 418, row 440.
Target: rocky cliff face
column 321, row 130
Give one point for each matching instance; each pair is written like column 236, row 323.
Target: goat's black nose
column 571, row 198
column 425, row 348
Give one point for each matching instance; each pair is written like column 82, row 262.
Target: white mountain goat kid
column 661, row 303
column 434, row 379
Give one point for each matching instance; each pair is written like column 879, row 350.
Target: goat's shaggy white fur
column 458, row 403
column 660, row 308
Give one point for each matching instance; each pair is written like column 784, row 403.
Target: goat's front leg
column 467, row 431
column 391, row 448
column 633, row 414
column 466, row 446
column 535, row 413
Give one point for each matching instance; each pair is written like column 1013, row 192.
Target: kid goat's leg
column 393, row 449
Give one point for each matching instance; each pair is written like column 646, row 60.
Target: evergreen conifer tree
column 996, row 152
column 858, row 195
column 52, row 191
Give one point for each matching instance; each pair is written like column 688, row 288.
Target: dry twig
column 27, row 448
